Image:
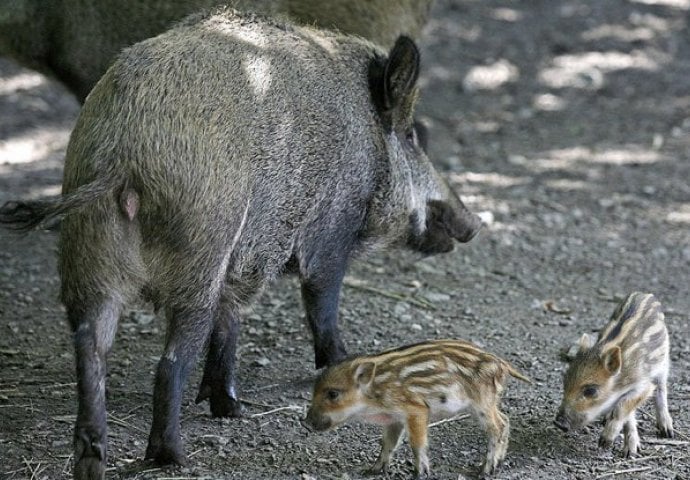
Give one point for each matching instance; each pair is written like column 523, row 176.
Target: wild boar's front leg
column 321, row 282
column 187, row 333
column 219, row 383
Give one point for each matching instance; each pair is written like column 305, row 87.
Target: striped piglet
column 615, row 375
column 406, row 388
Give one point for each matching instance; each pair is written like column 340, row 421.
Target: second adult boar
column 76, row 41
column 208, row 161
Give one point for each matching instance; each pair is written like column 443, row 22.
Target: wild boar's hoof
column 222, row 403
column 89, row 468
column 330, row 355
column 225, row 406
column 89, row 453
column 163, row 454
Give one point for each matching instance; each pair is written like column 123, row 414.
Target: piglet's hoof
column 605, row 443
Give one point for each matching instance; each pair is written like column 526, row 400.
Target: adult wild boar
column 76, row 41
column 211, row 159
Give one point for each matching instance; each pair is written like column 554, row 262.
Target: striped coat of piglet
column 615, row 375
column 406, row 388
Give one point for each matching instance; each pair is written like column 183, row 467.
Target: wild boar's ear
column 585, row 342
column 364, row 374
column 612, row 360
column 400, row 73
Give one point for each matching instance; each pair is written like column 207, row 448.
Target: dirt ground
column 564, row 122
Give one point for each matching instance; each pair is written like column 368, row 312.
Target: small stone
column 416, row 326
column 437, row 297
column 262, row 362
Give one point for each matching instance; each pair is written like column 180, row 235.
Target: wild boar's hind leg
column 188, row 330
column 94, row 327
column 219, row 383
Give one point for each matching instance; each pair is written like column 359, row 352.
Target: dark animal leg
column 188, row 331
column 219, row 383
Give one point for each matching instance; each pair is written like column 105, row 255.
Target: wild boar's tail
column 515, row 374
column 25, row 216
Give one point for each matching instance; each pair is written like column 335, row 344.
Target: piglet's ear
column 364, row 374
column 585, row 342
column 612, row 360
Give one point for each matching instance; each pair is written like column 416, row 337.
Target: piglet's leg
column 497, row 428
column 621, row 414
column 417, row 432
column 392, row 434
column 664, row 424
column 632, row 439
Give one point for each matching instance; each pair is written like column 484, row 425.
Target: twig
column 122, row 423
column 28, row 465
column 417, row 302
column 451, row 419
column 64, row 469
column 279, row 409
column 256, row 404
column 620, row 472
column 627, row 461
column 666, row 441
column 264, row 387
column 59, row 385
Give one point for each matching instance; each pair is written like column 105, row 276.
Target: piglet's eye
column 332, row 394
column 590, row 391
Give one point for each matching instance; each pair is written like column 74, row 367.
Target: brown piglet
column 408, row 387
column 615, row 375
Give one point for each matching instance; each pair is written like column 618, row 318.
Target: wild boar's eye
column 332, row 395
column 590, row 391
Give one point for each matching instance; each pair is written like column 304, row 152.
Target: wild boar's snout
column 468, row 226
column 460, row 223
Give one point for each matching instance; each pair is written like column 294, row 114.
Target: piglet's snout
column 562, row 422
column 314, row 422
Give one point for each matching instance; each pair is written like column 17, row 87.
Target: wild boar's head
column 435, row 214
